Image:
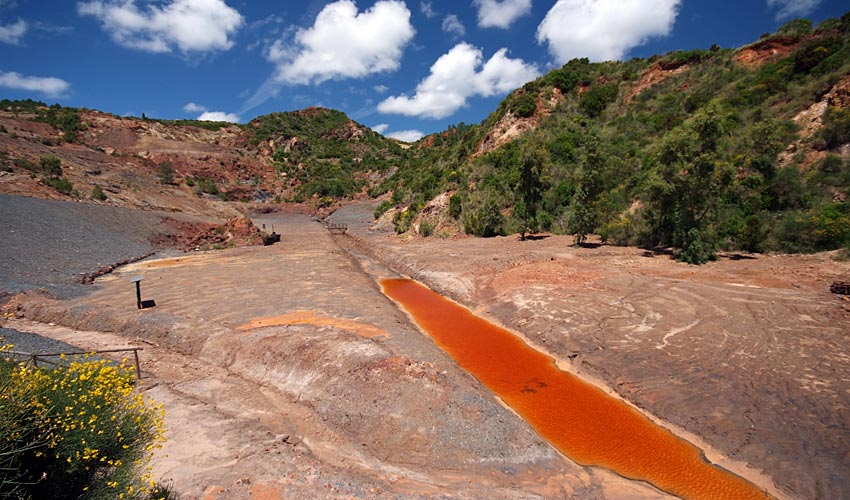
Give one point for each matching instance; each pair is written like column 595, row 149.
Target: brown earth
column 748, row 353
column 654, row 75
column 287, row 374
column 764, row 51
column 123, row 157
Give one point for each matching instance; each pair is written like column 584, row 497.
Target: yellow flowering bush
column 80, row 431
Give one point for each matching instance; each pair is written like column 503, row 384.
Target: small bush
column 207, row 185
column 403, row 219
column 61, row 184
column 190, row 181
column 524, row 105
column 51, row 166
column 695, row 248
column 596, row 99
column 455, row 206
column 166, row 173
column 76, row 432
column 485, row 221
column 382, row 209
column 97, row 193
column 25, row 164
column 836, row 128
column 426, row 229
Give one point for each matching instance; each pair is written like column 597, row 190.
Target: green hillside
column 697, row 150
column 323, row 153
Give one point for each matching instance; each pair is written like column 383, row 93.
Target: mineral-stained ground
column 286, row 373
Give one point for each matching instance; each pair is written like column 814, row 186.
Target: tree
column 529, row 188
column 584, row 217
column 692, row 183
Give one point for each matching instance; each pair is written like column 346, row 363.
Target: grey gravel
column 32, row 343
column 49, row 244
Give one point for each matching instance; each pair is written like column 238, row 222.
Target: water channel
column 583, row 422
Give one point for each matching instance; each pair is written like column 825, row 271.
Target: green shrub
column 596, row 99
column 486, row 220
column 51, row 166
column 426, row 229
column 696, row 249
column 207, row 185
column 76, row 432
column 189, row 181
column 382, row 209
column 455, row 206
column 97, row 193
column 836, row 128
column 61, row 184
column 524, row 105
column 166, row 173
column 26, row 164
column 402, row 220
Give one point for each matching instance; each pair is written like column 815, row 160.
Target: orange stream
column 582, row 421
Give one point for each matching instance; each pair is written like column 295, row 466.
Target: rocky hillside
column 735, row 149
column 315, row 155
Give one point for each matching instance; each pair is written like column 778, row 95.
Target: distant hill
column 315, row 155
column 703, row 150
column 736, row 149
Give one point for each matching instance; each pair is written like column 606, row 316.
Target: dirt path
column 287, row 374
column 748, row 354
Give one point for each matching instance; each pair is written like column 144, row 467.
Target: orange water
column 587, row 425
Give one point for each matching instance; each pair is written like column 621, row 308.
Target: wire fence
column 57, row 358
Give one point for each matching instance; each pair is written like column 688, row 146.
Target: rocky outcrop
column 810, row 121
column 510, row 126
column 764, row 51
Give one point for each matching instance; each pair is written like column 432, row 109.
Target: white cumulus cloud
column 194, row 108
column 453, row 26
column 604, row 30
column 457, row 75
column 406, row 135
column 793, row 8
column 12, row 33
column 188, row 25
column 218, row 116
column 500, row 13
column 48, row 86
column 345, row 43
column 381, row 128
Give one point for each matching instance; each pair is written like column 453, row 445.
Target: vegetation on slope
column 681, row 150
column 323, row 153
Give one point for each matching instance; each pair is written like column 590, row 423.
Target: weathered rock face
column 510, row 126
column 765, row 51
column 810, row 121
column 656, row 74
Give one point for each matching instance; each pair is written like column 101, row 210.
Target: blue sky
column 403, row 67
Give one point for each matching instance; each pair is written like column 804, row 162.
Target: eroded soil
column 748, row 354
column 285, row 371
column 287, row 374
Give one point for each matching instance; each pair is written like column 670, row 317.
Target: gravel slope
column 30, row 342
column 49, row 244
